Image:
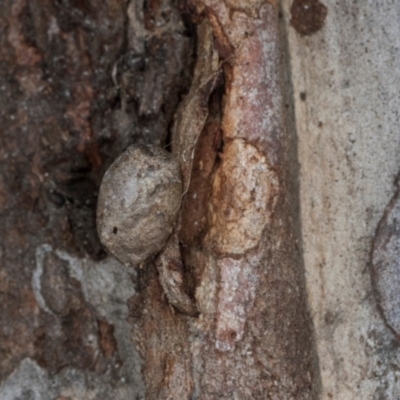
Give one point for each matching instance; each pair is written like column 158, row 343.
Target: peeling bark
column 252, row 338
column 221, row 312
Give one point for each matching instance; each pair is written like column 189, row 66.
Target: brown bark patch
column 194, row 208
column 160, row 335
column 107, row 341
column 307, row 16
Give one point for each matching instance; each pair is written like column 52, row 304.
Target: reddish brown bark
column 80, row 82
column 253, row 337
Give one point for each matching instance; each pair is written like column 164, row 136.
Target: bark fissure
column 220, row 311
column 236, row 241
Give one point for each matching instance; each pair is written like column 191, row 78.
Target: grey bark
column 345, row 89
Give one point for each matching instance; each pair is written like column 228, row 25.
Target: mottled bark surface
column 80, row 82
column 252, row 338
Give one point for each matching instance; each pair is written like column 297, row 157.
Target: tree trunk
column 252, row 336
column 229, row 306
column 346, row 113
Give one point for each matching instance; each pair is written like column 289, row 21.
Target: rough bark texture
column 253, row 335
column 82, row 80
column 79, row 82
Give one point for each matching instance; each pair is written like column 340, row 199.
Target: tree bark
column 240, row 93
column 80, row 81
column 346, row 119
column 252, row 337
column 89, row 79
